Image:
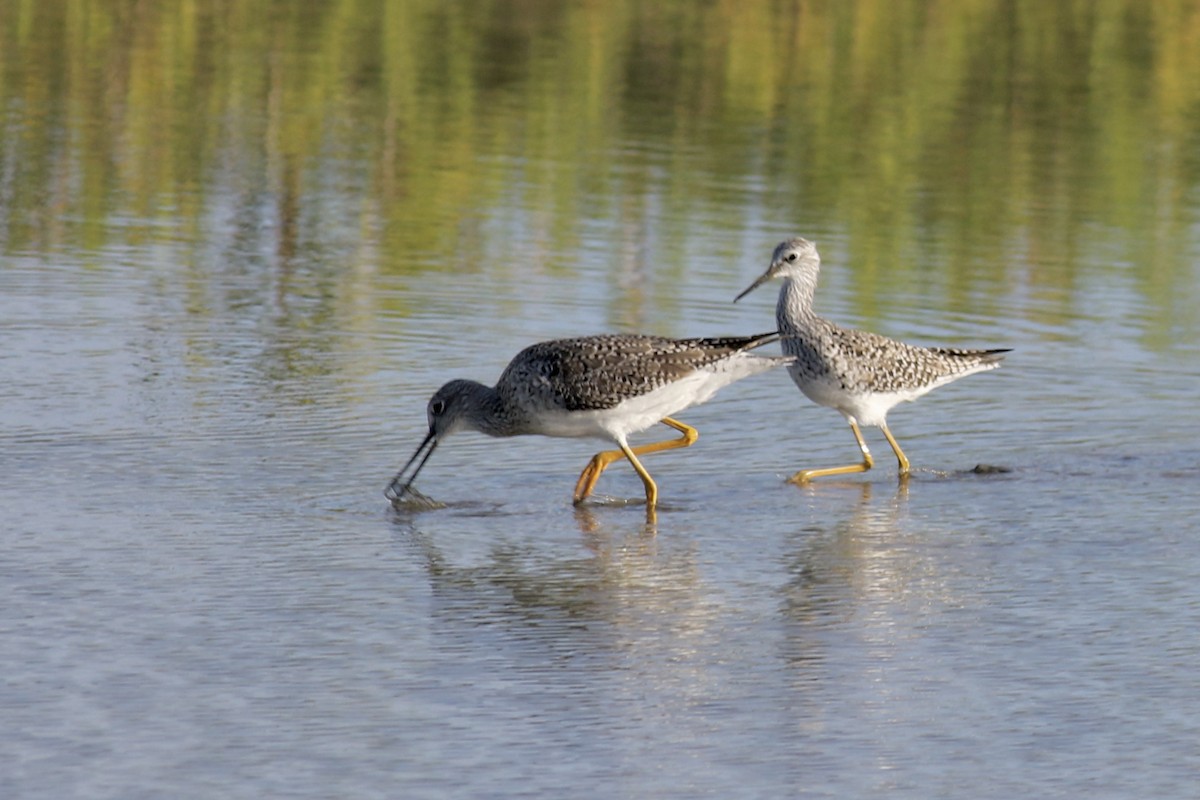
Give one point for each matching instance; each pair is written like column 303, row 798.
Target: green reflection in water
column 992, row 142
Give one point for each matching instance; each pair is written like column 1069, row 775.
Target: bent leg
column 805, row 475
column 600, row 461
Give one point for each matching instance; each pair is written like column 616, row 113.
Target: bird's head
column 793, row 258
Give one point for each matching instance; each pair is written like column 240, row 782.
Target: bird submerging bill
column 605, row 387
column 859, row 373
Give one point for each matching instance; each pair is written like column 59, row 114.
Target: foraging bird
column 605, row 387
column 859, row 373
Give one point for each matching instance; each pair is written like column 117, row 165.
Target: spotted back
column 598, row 372
column 859, row 361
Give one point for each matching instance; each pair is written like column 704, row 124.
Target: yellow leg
column 805, row 475
column 900, row 457
column 600, row 461
column 647, row 481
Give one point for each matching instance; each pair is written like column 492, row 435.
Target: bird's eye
column 791, row 257
column 437, row 407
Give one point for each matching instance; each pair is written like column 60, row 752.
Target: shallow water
column 221, row 327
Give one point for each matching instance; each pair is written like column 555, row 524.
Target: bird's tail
column 742, row 343
column 977, row 356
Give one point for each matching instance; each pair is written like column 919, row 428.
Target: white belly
column 638, row 413
column 868, row 408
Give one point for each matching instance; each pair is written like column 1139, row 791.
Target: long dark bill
column 766, row 276
column 399, row 487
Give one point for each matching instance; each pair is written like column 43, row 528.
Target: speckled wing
column 863, row 361
column 918, row 367
column 598, row 372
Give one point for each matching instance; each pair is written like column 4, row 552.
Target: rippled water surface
column 241, row 246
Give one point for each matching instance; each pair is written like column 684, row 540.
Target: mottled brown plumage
column 860, row 363
column 593, row 386
column 598, row 372
column 861, row 374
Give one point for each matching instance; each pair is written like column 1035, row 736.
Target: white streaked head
column 793, row 258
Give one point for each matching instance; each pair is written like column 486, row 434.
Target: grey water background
column 241, row 246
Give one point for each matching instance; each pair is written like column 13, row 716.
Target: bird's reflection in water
column 835, row 563
column 597, row 532
column 863, row 592
column 629, row 609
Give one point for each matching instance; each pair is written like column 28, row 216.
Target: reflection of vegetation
column 1043, row 128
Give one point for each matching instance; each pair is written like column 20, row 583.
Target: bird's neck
column 488, row 412
column 794, row 310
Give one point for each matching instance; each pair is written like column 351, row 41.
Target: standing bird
column 861, row 374
column 604, row 387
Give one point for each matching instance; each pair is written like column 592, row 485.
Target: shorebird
column 859, row 373
column 605, row 387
